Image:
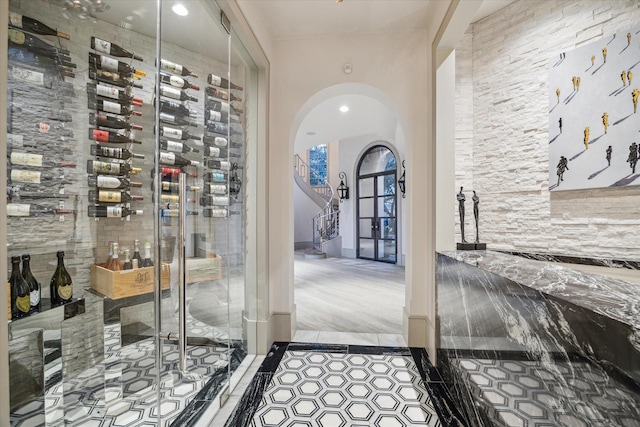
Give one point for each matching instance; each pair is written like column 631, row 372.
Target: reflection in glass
column 365, row 227
column 366, row 208
column 378, row 159
column 367, row 248
column 366, row 187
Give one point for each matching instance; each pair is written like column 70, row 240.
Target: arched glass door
column 377, row 205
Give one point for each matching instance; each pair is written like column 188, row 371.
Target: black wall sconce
column 343, row 190
column 401, row 181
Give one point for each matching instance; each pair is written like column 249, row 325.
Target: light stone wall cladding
column 511, row 52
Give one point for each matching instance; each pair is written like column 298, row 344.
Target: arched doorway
column 376, row 206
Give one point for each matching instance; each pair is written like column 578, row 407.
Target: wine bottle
column 176, row 120
column 218, row 116
column 176, row 133
column 177, row 81
column 115, row 264
column 212, row 79
column 20, row 293
column 58, row 130
column 171, row 173
column 214, row 177
column 107, row 196
column 113, row 92
column 219, row 164
column 178, row 69
column 111, row 107
column 112, row 212
column 218, row 152
column 41, row 79
column 110, row 255
column 221, row 128
column 218, row 141
column 174, row 187
column 217, row 213
column 175, row 159
column 35, row 289
column 112, row 49
column 34, row 26
column 22, row 55
column 175, row 108
column 95, row 167
column 175, row 199
column 176, row 147
column 127, row 265
column 112, row 78
column 175, row 93
column 36, row 160
column 211, row 200
column 61, row 284
column 34, row 44
column 104, row 120
column 26, row 209
column 36, row 177
column 111, row 182
column 112, row 137
column 109, row 64
column 147, row 255
column 136, row 252
column 114, row 153
column 174, row 213
column 16, row 192
column 215, row 189
column 221, row 94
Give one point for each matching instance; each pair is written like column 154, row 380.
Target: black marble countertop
column 613, row 298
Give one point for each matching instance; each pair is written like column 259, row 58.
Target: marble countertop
column 613, row 298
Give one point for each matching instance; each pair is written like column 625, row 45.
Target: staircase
column 326, row 223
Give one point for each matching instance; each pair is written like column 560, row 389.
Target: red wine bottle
column 221, row 94
column 26, row 209
column 114, row 138
column 109, row 64
column 112, row 212
column 216, row 189
column 177, row 81
column 176, row 147
column 36, row 160
column 20, row 293
column 176, row 120
column 210, row 177
column 171, row 174
column 175, row 108
column 176, row 133
column 114, row 153
column 175, row 93
column 113, row 92
column 104, row 120
column 95, row 167
column 112, row 78
column 222, row 106
column 174, row 68
column 214, row 200
column 109, row 196
column 212, row 79
column 112, row 107
column 217, row 213
column 111, row 182
column 34, row 44
column 174, row 159
column 34, row 26
column 112, row 49
column 35, row 289
column 215, row 140
column 31, row 58
column 174, row 187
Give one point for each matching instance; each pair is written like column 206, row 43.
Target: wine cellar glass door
column 125, row 162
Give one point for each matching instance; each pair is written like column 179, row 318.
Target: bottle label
column 110, row 196
column 174, row 146
column 218, row 213
column 34, row 297
column 217, row 189
column 114, row 212
column 100, row 135
column 23, row 304
column 166, row 117
column 171, row 132
column 106, row 91
column 110, row 152
column 107, row 182
column 167, row 158
column 111, row 107
column 176, row 81
column 171, row 92
column 108, row 64
column 26, row 159
column 170, row 198
column 220, row 141
column 102, row 46
column 15, row 19
column 17, row 209
column 106, row 167
column 215, row 80
column 219, row 201
column 65, row 291
column 27, row 75
column 217, row 177
column 214, row 151
column 31, row 177
column 44, row 128
column 215, row 116
column 166, row 186
column 171, row 66
column 107, row 75
column 16, row 36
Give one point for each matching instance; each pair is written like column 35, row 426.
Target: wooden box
column 204, row 269
column 127, row 283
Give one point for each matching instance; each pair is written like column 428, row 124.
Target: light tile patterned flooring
column 339, row 389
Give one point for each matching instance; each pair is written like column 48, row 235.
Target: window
column 318, row 165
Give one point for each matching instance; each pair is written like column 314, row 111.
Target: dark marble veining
column 601, row 262
column 508, row 311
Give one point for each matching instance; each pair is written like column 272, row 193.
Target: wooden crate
column 127, row 283
column 204, row 269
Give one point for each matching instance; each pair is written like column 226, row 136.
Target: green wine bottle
column 34, row 286
column 61, row 284
column 20, row 294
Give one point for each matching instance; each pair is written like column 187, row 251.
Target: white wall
column 304, row 211
column 510, row 132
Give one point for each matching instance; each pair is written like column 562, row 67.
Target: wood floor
column 335, row 296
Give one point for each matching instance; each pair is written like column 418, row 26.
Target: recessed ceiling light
column 311, row 133
column 179, row 9
column 344, row 108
